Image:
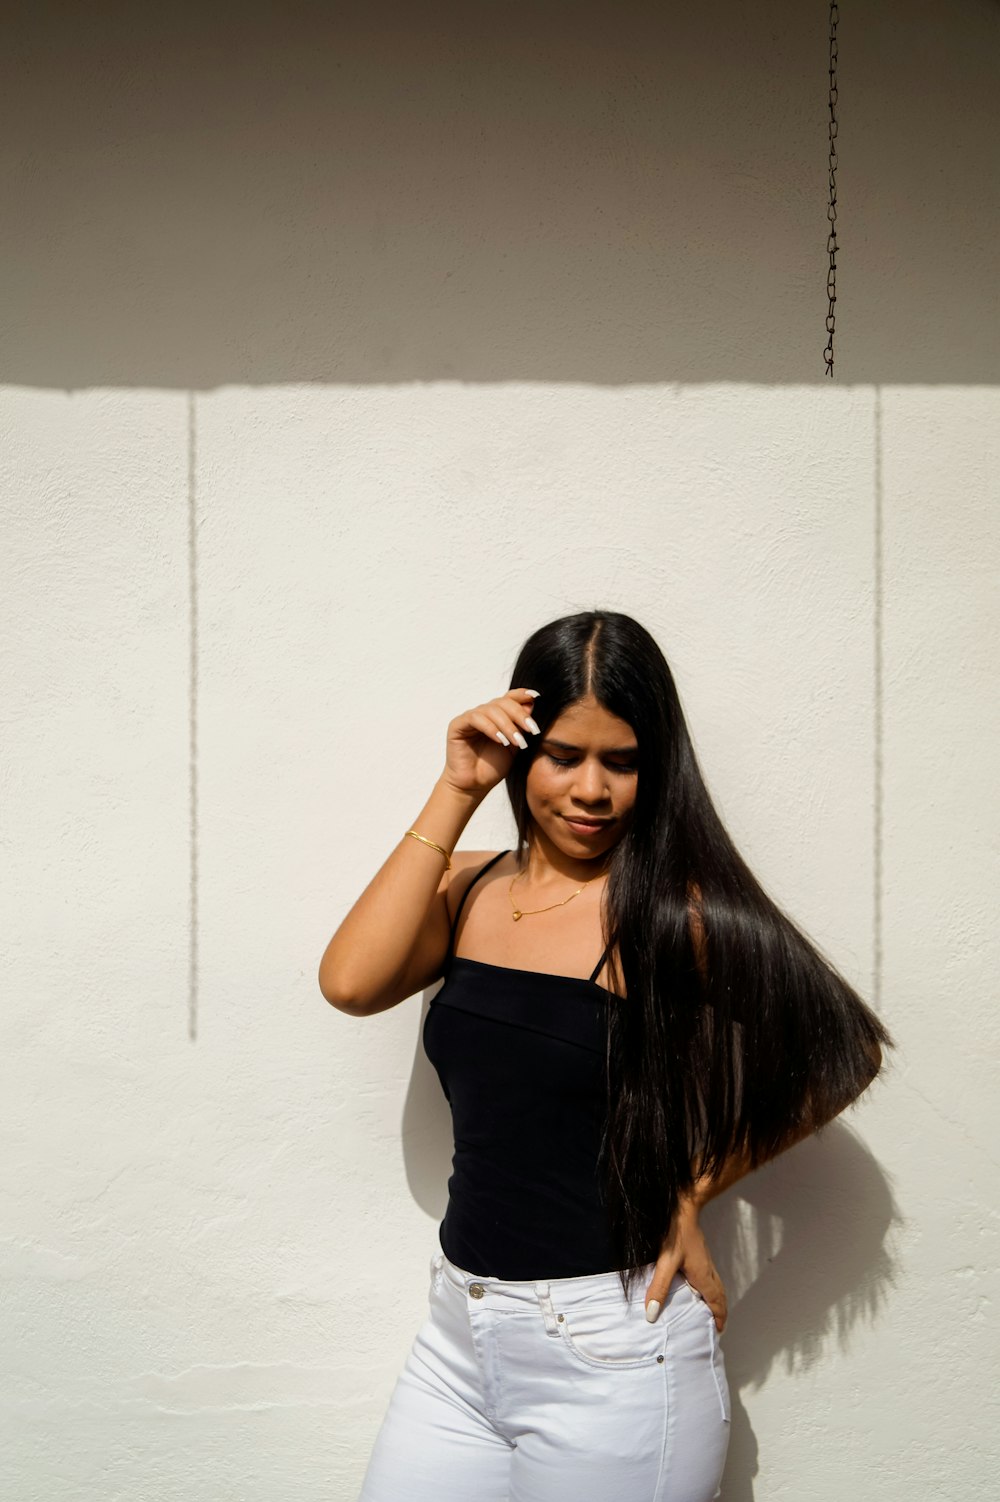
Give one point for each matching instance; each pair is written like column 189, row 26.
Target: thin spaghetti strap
column 597, row 968
column 461, row 902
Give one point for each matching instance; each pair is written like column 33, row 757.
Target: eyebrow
column 612, row 751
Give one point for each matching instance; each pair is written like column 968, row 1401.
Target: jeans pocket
column 719, row 1368
column 613, row 1335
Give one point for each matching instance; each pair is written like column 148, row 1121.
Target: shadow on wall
column 803, row 1246
column 253, row 194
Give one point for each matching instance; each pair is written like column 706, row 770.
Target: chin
column 583, row 846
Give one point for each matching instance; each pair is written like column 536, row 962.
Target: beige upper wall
column 203, row 195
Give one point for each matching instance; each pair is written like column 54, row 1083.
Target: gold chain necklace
column 530, row 912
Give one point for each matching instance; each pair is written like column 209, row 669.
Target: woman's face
column 585, row 769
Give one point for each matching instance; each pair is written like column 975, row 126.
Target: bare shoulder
column 464, row 865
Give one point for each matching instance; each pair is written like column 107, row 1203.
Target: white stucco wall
column 287, row 477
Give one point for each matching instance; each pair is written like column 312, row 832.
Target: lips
column 587, row 823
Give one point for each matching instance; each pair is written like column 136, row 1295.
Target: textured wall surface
column 340, row 359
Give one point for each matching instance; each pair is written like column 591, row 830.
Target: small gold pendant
column 517, row 914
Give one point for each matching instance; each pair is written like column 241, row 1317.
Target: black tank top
column 521, row 1056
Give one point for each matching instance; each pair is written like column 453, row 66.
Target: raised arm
column 394, row 940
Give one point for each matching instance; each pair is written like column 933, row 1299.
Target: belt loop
column 545, row 1304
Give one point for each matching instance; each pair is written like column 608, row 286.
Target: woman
column 571, row 1351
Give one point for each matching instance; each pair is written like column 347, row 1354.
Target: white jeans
column 554, row 1391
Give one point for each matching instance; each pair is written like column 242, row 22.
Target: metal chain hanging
column 831, row 213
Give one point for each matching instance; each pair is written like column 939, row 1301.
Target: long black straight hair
column 726, row 1048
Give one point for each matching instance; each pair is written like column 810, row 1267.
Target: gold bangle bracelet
column 434, row 846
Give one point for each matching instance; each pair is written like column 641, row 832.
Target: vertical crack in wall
column 878, row 643
column 192, row 720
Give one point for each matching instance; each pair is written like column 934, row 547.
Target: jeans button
column 476, row 1290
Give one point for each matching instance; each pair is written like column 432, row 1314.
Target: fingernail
column 652, row 1309
column 532, row 691
column 502, row 737
column 519, row 738
column 532, row 726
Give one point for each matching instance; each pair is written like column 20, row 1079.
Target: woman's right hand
column 482, row 742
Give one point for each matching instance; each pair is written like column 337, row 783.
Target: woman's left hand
column 687, row 1253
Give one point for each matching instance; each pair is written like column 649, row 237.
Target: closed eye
column 570, row 761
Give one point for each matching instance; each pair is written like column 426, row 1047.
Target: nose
column 591, row 783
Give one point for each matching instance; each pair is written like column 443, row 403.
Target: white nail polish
column 532, row 726
column 532, row 691
column 520, row 740
column 503, row 738
column 652, row 1309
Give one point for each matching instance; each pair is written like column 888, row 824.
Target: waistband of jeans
column 504, row 1293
